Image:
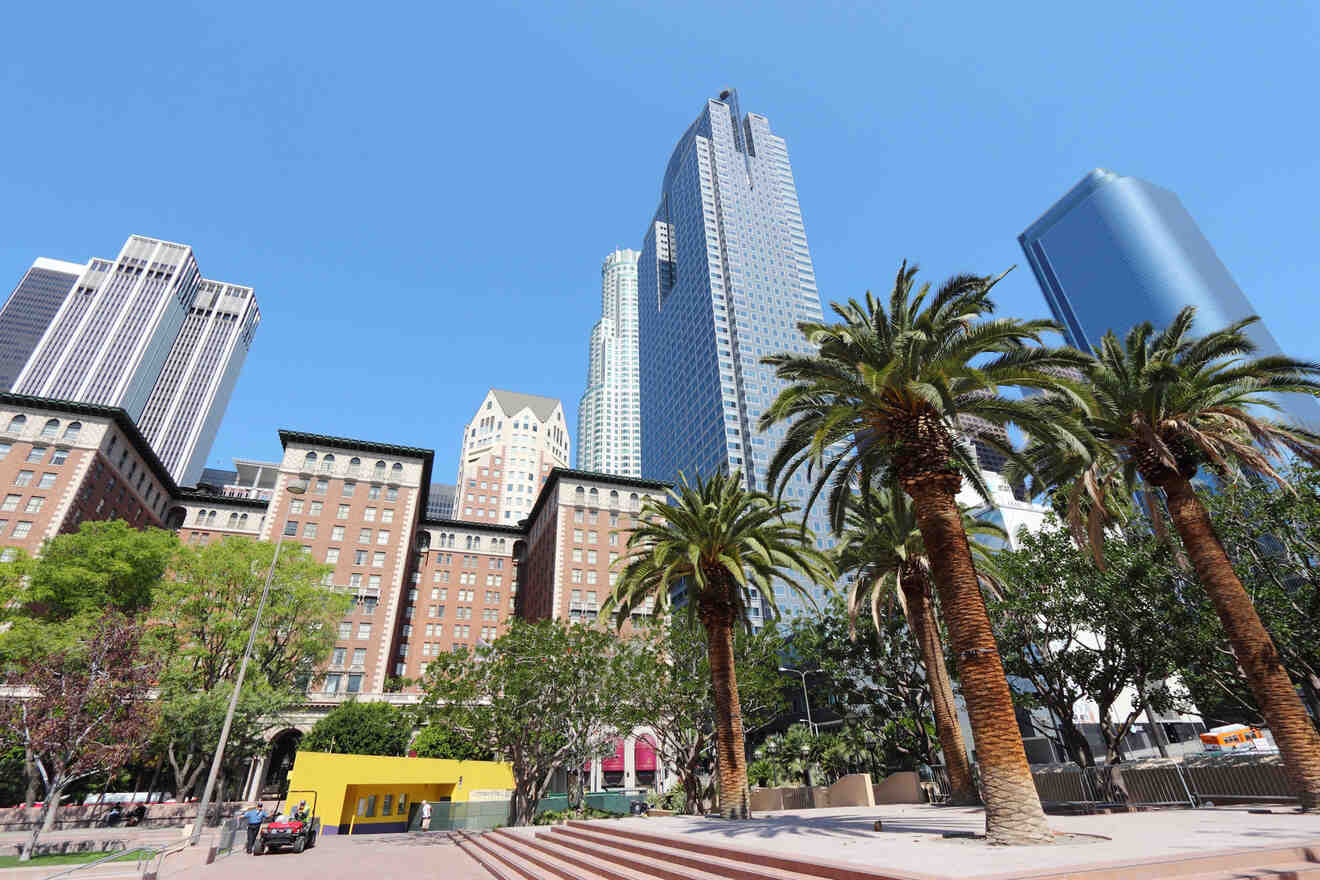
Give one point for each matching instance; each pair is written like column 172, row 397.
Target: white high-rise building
column 609, row 418
column 189, row 400
column 508, row 450
column 146, row 333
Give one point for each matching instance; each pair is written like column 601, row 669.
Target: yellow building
column 369, row 794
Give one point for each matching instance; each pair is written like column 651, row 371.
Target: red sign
column 644, row 754
column 615, row 763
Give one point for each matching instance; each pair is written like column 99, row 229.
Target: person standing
column 254, row 817
column 426, row 815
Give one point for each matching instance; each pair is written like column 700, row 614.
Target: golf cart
column 298, row 832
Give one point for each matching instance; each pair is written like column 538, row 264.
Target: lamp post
column 296, row 487
column 805, row 699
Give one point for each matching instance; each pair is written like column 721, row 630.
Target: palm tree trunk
column 1013, row 814
column 1298, row 742
column 921, row 620
column 735, row 797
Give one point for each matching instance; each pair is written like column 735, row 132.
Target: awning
column 614, row 764
column 644, row 754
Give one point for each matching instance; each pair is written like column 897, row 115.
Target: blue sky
column 422, row 194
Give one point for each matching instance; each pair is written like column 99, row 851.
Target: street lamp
column 295, row 487
column 805, row 698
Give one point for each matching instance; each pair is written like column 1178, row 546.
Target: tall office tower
column 508, row 450
column 27, row 312
column 724, row 277
column 440, row 501
column 609, row 421
column 183, row 415
column 1116, row 251
column 146, row 333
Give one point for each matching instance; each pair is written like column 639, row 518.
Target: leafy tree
column 439, row 740
column 1076, row 631
column 881, row 548
column 873, row 678
column 880, row 397
column 669, row 686
column 86, row 710
column 205, row 610
column 355, row 728
column 542, row 696
column 723, row 541
column 1159, row 407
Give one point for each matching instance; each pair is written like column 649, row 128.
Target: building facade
column 609, row 419
column 147, row 334
column 1116, row 251
column 508, row 451
column 28, row 311
column 724, row 278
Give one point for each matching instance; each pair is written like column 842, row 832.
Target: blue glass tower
column 1116, row 251
column 724, row 277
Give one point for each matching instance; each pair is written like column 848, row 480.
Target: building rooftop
column 514, row 401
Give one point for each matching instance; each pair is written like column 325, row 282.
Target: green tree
column 1161, row 406
column 439, row 740
column 1076, row 631
column 542, row 696
column 355, row 728
column 723, row 541
column 879, row 398
column 669, row 686
column 881, row 548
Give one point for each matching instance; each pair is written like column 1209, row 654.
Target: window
column 359, row 557
column 387, row 805
column 577, row 536
column 359, row 656
column 320, row 486
column 337, row 533
column 342, row 512
column 328, row 464
column 591, row 576
column 309, row 530
column 592, row 537
column 373, row 492
column 577, row 554
column 337, row 656
column 397, row 471
column 391, row 494
column 72, row 431
column 364, row 631
column 369, row 514
column 364, row 536
column 383, row 536
column 291, row 528
column 34, row 504
column 373, row 581
column 369, row 605
column 315, row 509
column 349, row 488
column 353, row 465
column 23, row 478
column 345, row 630
column 48, row 479
column 309, row 461
column 51, row 428
column 577, row 576
column 614, row 539
column 37, row 453
column 11, row 502
column 355, row 686
column 355, row 580
column 296, row 506
column 378, row 559
column 332, row 556
column 5, row 446
column 17, row 423
column 387, row 515
column 331, row 684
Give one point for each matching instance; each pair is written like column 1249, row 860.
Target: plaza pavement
column 340, row 857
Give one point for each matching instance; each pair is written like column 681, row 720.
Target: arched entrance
column 283, row 748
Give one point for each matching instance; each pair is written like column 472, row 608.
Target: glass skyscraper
column 1116, row 251
column 724, row 277
column 609, row 432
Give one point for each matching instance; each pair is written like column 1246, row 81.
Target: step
column 528, row 861
column 605, row 868
column 642, row 853
column 1280, row 871
column 799, row 866
column 489, row 863
column 1227, row 864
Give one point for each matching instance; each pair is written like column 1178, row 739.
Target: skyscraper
column 609, row 421
column 1116, row 251
column 508, row 451
column 183, row 415
column 724, row 277
column 146, row 333
column 27, row 312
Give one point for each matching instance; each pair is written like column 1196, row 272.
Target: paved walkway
column 911, row 841
column 342, row 857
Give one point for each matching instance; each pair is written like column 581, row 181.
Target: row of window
column 349, row 488
column 327, row 466
column 22, row 529
column 314, row 508
column 50, row 430
column 37, row 454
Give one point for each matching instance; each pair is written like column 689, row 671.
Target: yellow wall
column 341, row 780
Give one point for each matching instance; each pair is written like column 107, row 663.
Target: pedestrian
column 254, row 817
column 426, row 815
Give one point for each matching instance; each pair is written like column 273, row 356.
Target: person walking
column 254, row 817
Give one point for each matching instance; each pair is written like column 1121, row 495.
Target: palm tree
column 881, row 398
column 724, row 541
column 881, row 546
column 1161, row 406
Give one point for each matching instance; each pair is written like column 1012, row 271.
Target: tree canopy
column 355, row 728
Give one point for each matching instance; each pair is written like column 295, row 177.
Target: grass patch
column 62, row 859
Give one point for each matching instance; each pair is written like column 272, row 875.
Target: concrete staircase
column 607, row 851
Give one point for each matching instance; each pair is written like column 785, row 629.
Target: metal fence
column 614, row 801
column 1166, row 782
column 468, row 815
column 230, row 830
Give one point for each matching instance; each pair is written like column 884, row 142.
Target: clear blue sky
column 422, row 194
